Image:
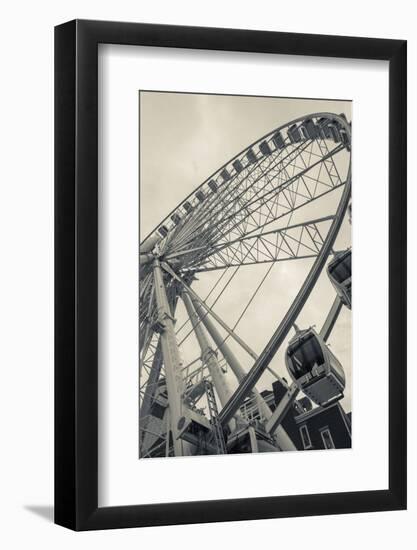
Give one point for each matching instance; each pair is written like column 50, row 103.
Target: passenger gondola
column 200, row 195
column 225, row 174
column 314, row 368
column 187, row 206
column 309, row 129
column 163, row 230
column 339, row 271
column 265, row 148
column 237, row 165
column 250, row 155
column 278, row 140
column 294, row 134
column 213, row 185
column 334, row 130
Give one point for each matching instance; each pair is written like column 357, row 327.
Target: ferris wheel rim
column 332, row 116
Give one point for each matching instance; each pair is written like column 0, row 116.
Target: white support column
column 331, row 319
column 274, row 422
column 172, row 360
column 283, row 440
column 209, row 356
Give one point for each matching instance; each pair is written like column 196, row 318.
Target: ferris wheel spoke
column 248, row 184
column 272, row 182
column 285, row 209
column 257, row 204
column 216, row 267
column 329, row 164
column 298, row 241
column 269, row 178
column 282, row 211
column 209, row 310
column 213, row 288
column 200, row 252
column 253, row 181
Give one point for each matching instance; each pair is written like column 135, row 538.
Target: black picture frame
column 76, row 272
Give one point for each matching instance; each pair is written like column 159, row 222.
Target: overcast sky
column 186, row 137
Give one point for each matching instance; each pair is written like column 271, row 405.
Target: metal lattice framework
column 262, row 207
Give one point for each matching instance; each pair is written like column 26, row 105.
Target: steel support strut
column 209, row 356
column 150, row 391
column 273, row 424
column 331, row 319
column 171, row 356
column 283, row 440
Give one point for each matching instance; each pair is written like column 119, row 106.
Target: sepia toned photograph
column 244, row 274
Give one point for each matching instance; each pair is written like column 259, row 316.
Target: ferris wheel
column 282, row 199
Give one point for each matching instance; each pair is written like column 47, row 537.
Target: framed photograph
column 217, row 192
